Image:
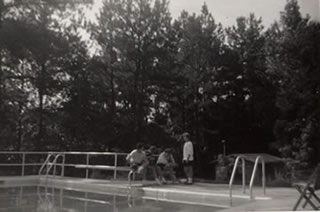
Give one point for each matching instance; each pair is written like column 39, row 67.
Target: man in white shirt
column 138, row 160
column 188, row 158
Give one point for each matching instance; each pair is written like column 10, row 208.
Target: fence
column 28, row 163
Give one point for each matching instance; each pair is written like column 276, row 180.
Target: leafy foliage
column 142, row 76
column 294, row 52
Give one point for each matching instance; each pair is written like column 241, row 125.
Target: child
column 187, row 159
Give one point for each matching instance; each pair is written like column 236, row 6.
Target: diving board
column 104, row 167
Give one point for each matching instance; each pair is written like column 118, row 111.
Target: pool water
column 50, row 199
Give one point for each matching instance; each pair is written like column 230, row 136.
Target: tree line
column 136, row 74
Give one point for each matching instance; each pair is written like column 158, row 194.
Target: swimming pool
column 52, row 199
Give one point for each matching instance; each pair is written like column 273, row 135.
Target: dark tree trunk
column 41, row 95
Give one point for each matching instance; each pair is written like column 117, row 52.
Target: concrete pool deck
column 276, row 198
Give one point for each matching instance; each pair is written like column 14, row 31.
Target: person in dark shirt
column 152, row 157
column 166, row 165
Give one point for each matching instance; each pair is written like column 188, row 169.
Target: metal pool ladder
column 254, row 171
column 51, row 161
column 242, row 158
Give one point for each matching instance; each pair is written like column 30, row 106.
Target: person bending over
column 138, row 160
column 166, row 165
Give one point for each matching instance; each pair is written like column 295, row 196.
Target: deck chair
column 307, row 191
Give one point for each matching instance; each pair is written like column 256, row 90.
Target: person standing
column 187, row 159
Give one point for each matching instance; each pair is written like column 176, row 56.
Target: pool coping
column 8, row 181
column 150, row 190
column 277, row 199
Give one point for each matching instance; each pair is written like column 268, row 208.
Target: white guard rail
column 259, row 158
column 253, row 175
column 242, row 158
column 42, row 163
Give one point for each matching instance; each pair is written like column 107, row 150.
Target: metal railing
column 242, row 158
column 20, row 159
column 46, row 163
column 50, row 162
column 254, row 171
column 23, row 162
column 259, row 158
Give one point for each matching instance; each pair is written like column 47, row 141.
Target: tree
column 34, row 39
column 292, row 60
column 198, row 58
column 131, row 36
column 251, row 86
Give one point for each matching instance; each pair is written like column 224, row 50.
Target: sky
column 226, row 11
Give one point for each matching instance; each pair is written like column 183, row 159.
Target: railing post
column 115, row 166
column 87, row 163
column 23, row 163
column 243, row 176
column 55, row 165
column 263, row 177
column 62, row 165
column 47, row 164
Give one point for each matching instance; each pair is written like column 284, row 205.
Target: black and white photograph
column 159, row 105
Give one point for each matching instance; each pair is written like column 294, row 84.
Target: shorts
column 161, row 165
column 152, row 163
column 135, row 166
column 187, row 163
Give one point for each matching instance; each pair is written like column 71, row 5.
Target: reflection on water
column 50, row 199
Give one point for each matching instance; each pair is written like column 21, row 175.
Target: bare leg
column 160, row 175
column 189, row 173
column 186, row 171
column 172, row 175
column 155, row 174
column 142, row 171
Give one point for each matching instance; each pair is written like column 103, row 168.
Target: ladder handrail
column 259, row 157
column 45, row 163
column 53, row 163
column 48, row 163
column 242, row 157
